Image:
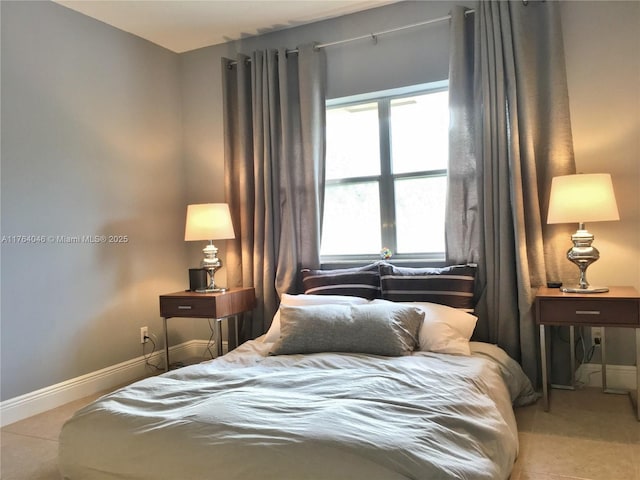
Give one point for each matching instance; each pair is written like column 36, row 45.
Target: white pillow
column 273, row 333
column 444, row 329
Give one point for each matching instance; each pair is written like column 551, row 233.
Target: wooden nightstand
column 620, row 307
column 205, row 305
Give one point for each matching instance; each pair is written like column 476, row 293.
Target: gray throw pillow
column 377, row 329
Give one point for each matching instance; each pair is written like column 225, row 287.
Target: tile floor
column 586, row 435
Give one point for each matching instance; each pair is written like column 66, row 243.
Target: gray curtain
column 510, row 134
column 274, row 112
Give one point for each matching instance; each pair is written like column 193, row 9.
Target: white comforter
column 324, row 416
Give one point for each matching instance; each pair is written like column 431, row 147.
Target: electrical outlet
column 144, row 334
column 596, row 335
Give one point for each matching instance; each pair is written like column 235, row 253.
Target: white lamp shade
column 582, row 198
column 208, row 221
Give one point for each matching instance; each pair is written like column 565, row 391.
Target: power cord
column 582, row 354
column 587, row 355
column 152, row 338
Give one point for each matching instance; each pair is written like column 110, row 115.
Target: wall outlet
column 144, row 334
column 596, row 335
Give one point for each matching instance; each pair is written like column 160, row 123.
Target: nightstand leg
column 219, row 336
column 603, row 359
column 543, row 358
column 235, row 322
column 166, row 343
column 572, row 344
column 636, row 400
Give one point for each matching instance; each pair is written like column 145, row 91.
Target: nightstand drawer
column 207, row 305
column 601, row 312
column 186, row 307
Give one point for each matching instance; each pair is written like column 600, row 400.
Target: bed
column 317, row 399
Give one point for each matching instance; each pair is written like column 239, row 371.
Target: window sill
column 333, row 264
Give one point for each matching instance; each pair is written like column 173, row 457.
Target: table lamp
column 579, row 199
column 209, row 221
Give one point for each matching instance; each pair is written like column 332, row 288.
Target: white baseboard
column 29, row 404
column 618, row 376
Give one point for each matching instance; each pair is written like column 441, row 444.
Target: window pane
column 353, row 146
column 420, row 204
column 420, row 132
column 351, row 223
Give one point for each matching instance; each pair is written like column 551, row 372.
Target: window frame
column 386, row 178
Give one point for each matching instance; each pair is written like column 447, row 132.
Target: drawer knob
column 587, row 312
column 184, row 307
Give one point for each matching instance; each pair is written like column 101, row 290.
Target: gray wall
column 91, row 145
column 602, row 47
column 105, row 133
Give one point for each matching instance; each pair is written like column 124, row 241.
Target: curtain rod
column 374, row 36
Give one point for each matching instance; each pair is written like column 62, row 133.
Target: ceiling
column 183, row 25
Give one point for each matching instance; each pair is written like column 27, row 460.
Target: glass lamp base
column 211, row 290
column 583, row 254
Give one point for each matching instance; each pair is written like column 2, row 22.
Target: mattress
column 248, row 415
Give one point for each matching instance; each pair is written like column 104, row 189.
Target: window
column 386, row 175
